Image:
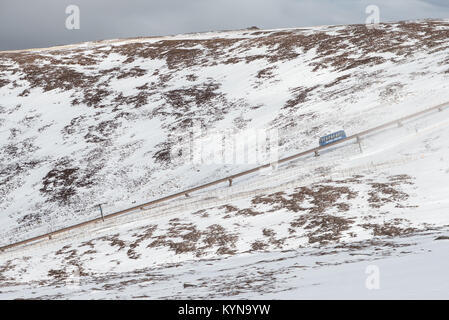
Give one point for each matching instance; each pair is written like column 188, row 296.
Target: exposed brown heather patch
column 30, row 219
column 202, row 213
column 271, row 235
column 63, row 250
column 370, row 243
column 186, row 231
column 58, row 274
column 388, row 192
column 248, row 212
column 195, row 241
column 61, row 183
column 80, row 58
column 323, row 228
column 114, row 241
column 21, row 148
column 403, row 178
column 258, row 245
column 337, row 81
column 134, row 72
column 94, row 97
column 269, row 199
column 72, row 262
column 11, row 172
column 299, row 97
column 101, row 131
column 191, row 77
column 322, row 197
column 177, row 53
column 228, row 208
column 266, row 73
column 4, row 82
column 392, row 228
column 89, row 252
column 179, row 99
column 89, row 244
column 76, row 125
column 163, row 153
column 268, row 232
column 8, row 266
column 216, row 235
column 355, row 179
column 141, row 236
column 24, row 93
column 55, row 77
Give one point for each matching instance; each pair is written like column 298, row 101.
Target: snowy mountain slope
column 95, row 122
column 98, row 122
column 409, row 268
column 386, row 203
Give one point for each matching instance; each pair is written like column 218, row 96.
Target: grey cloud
column 28, row 24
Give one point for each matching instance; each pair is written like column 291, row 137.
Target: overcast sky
column 42, row 23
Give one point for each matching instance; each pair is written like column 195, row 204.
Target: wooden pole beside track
column 101, row 211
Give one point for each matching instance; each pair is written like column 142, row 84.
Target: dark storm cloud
column 40, row 23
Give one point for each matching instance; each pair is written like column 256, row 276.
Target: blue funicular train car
column 332, row 137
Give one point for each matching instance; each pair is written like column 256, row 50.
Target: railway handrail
column 222, row 180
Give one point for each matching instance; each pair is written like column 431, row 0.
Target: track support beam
column 359, row 141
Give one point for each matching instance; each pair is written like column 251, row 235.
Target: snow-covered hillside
column 97, row 122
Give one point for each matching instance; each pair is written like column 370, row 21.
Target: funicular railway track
column 228, row 179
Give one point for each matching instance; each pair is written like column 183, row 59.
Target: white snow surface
column 92, row 123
